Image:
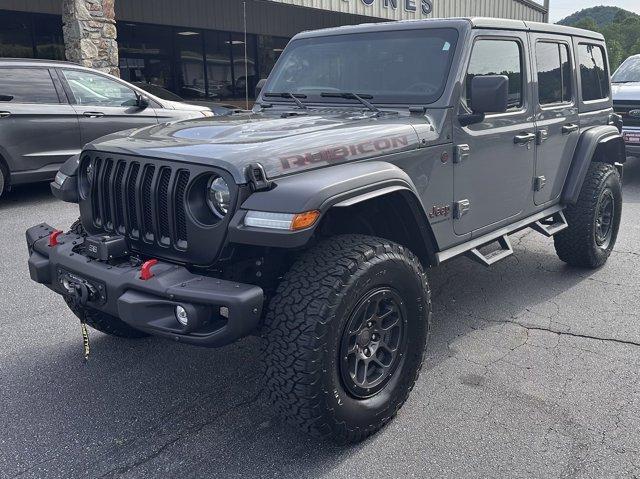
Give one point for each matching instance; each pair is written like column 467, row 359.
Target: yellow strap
column 85, row 339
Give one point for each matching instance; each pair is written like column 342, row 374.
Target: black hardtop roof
column 460, row 23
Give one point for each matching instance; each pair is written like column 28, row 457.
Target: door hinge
column 462, row 153
column 461, row 208
column 539, row 182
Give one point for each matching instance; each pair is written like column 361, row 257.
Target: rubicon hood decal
column 283, row 144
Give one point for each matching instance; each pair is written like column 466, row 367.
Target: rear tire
column 594, row 220
column 345, row 336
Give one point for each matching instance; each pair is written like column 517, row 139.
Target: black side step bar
column 548, row 222
column 493, row 257
column 551, row 225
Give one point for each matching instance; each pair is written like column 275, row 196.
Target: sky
column 563, row 8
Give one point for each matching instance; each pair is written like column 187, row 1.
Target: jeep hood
column 283, row 142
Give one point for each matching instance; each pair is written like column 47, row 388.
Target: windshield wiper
column 352, row 96
column 288, row 94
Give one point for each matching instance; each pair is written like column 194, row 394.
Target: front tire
column 345, row 336
column 594, row 220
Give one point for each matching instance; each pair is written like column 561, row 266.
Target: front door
column 557, row 119
column 104, row 105
column 493, row 177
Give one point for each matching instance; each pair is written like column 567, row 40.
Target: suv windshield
column 628, row 72
column 407, row 66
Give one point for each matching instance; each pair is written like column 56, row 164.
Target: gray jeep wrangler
column 373, row 153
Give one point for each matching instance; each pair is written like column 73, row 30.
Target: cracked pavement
column 533, row 370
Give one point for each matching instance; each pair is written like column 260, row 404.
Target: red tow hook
column 53, row 237
column 145, row 270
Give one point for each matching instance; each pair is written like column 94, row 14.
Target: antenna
column 246, row 60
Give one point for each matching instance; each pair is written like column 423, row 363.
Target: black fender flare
column 67, row 190
column 600, row 143
column 322, row 189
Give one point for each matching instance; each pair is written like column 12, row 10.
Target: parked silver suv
column 49, row 110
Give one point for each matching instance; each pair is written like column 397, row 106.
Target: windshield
column 629, row 71
column 408, row 66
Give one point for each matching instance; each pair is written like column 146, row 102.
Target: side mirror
column 259, row 86
column 489, row 94
column 142, row 101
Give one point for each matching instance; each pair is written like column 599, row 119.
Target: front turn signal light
column 304, row 220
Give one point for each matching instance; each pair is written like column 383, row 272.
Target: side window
column 27, row 85
column 96, row 90
column 554, row 73
column 498, row 57
column 593, row 72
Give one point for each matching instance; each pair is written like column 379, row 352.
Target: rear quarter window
column 594, row 72
column 27, row 85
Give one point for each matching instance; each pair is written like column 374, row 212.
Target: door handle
column 93, row 114
column 524, row 138
column 569, row 128
column 5, row 114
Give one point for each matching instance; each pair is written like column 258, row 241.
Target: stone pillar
column 89, row 29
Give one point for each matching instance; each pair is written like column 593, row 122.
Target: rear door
column 492, row 182
column 38, row 128
column 557, row 120
column 104, row 105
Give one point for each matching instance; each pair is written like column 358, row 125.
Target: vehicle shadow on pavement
column 35, row 194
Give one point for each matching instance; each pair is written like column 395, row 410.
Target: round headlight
column 218, row 196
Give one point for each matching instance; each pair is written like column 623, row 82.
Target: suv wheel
column 345, row 336
column 594, row 220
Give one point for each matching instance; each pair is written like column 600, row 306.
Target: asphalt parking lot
column 533, row 370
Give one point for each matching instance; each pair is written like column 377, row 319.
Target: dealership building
column 205, row 49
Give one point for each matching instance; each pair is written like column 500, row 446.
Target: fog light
column 181, row 315
column 224, row 312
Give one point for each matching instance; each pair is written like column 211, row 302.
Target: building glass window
column 594, row 73
column 48, row 39
column 219, row 70
column 244, row 71
column 146, row 55
column 190, row 72
column 27, row 85
column 15, row 35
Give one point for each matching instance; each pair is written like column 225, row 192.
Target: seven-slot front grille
column 141, row 200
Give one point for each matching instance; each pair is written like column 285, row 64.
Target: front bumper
column 220, row 311
column 633, row 148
